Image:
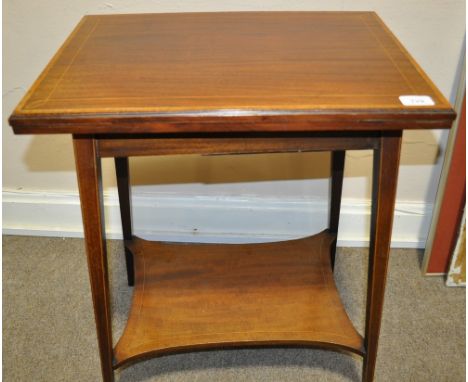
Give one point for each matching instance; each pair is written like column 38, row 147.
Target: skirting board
column 210, row 219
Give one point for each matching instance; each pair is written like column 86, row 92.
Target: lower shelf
column 200, row 296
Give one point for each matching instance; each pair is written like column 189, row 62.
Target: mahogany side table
column 233, row 83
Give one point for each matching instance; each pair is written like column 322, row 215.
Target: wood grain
column 88, row 168
column 241, row 71
column 225, row 145
column 385, row 175
column 198, row 296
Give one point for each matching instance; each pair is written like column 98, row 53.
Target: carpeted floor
column 49, row 333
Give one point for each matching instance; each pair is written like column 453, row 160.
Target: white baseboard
column 210, row 219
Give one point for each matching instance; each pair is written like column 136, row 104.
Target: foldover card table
column 232, row 83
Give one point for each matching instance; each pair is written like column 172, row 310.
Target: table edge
column 234, row 121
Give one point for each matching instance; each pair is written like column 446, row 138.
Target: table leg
column 123, row 186
column 385, row 174
column 88, row 167
column 337, row 167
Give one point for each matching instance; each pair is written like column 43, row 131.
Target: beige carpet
column 49, row 334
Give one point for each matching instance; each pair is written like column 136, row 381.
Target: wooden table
column 232, row 83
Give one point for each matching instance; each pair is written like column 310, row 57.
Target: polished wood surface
column 195, row 296
column 218, row 72
column 226, row 145
column 384, row 187
column 88, row 169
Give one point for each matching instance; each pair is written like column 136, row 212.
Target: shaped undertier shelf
column 200, row 296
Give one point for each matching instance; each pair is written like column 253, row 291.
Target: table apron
column 157, row 145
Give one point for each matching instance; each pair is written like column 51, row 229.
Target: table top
column 228, row 72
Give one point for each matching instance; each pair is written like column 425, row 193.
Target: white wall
column 38, row 172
